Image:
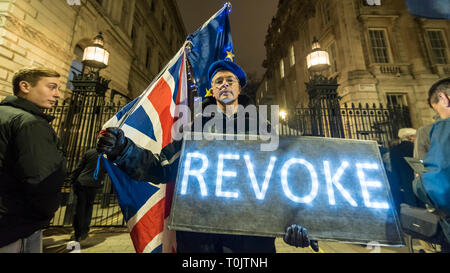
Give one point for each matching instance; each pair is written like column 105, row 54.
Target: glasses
column 219, row 81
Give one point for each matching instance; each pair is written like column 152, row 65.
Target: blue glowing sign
column 336, row 188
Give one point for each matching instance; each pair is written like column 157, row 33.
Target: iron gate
column 77, row 124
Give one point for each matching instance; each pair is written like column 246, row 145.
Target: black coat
column 32, row 169
column 402, row 174
column 142, row 165
column 84, row 172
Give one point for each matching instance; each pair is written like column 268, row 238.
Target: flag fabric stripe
column 162, row 101
column 148, row 227
column 144, row 125
column 141, row 139
column 154, row 199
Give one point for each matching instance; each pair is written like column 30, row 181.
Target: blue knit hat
column 229, row 66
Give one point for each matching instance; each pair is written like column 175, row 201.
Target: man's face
column 442, row 107
column 225, row 85
column 44, row 94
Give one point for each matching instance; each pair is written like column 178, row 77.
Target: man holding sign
column 227, row 79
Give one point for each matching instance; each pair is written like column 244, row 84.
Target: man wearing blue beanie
column 227, row 80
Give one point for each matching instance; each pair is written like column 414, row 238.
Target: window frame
column 431, row 49
column 403, row 96
column 387, row 44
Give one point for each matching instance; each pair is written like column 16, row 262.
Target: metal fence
column 78, row 122
column 366, row 122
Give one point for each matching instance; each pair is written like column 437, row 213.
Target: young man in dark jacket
column 226, row 79
column 31, row 165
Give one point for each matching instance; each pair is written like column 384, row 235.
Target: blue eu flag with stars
column 210, row 43
column 432, row 9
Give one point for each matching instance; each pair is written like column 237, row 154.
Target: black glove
column 111, row 141
column 298, row 236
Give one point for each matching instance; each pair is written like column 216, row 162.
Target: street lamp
column 323, row 97
column 283, row 114
column 318, row 60
column 96, row 56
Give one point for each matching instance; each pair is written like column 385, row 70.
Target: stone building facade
column 141, row 36
column 379, row 53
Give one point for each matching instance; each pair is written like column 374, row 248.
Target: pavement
column 117, row 240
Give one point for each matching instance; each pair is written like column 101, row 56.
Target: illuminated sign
column 336, row 188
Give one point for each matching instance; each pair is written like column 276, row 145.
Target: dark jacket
column 84, row 172
column 143, row 165
column 402, row 174
column 31, row 169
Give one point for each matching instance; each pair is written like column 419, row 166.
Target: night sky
column 249, row 21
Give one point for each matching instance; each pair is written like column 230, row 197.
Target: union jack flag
column 148, row 120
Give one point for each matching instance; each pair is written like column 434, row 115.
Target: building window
column 291, row 55
column 438, row 47
column 282, row 68
column 332, row 54
column 379, row 45
column 397, row 100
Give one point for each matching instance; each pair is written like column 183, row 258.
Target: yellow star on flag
column 230, row 55
column 208, row 93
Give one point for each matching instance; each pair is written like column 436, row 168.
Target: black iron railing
column 380, row 123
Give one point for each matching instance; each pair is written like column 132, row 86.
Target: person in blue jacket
column 433, row 187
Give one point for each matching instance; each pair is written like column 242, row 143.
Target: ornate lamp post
column 84, row 115
column 88, row 97
column 322, row 91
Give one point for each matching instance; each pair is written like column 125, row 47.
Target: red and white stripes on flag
column 148, row 121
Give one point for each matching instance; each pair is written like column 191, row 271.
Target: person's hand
column 297, row 236
column 111, row 141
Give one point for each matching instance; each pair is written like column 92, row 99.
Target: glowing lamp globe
column 96, row 56
column 317, row 60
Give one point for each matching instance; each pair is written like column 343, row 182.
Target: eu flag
column 432, row 9
column 210, row 43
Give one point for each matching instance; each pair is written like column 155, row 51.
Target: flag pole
column 125, row 116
